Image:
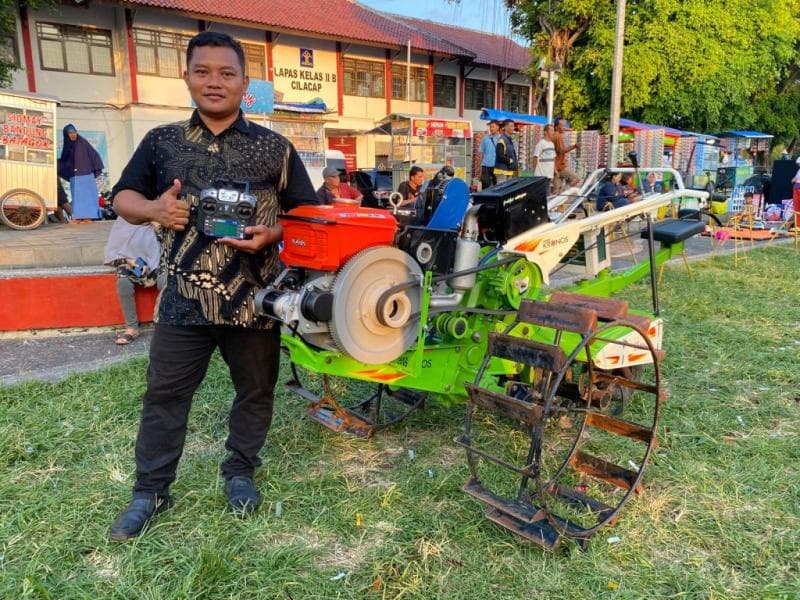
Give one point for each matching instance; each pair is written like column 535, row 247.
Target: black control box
column 512, row 207
column 226, row 209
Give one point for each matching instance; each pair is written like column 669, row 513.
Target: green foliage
column 9, row 10
column 702, row 66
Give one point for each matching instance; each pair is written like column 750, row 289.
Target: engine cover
column 323, row 237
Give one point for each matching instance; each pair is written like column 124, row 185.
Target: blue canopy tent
column 749, row 148
column 746, row 134
column 491, row 114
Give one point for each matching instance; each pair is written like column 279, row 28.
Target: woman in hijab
column 80, row 164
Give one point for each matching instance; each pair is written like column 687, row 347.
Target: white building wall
column 77, row 87
column 96, row 102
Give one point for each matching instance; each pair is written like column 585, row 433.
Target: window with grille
column 478, row 94
column 444, row 91
column 8, row 50
column 363, row 78
column 160, row 53
column 255, row 65
column 75, row 49
column 419, row 83
column 515, row 98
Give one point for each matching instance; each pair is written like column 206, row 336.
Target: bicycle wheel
column 22, row 209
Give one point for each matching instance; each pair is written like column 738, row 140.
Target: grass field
column 348, row 518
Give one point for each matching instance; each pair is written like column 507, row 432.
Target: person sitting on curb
column 135, row 252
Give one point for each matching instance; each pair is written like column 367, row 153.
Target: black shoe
column 132, row 521
column 242, row 494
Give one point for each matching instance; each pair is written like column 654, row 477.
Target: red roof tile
column 491, row 49
column 342, row 19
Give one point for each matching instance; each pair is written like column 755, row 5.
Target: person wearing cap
column 505, row 163
column 334, row 189
column 487, row 152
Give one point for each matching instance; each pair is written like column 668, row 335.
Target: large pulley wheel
column 374, row 317
column 22, row 209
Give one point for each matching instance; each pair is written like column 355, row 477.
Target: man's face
column 216, row 81
column 332, row 182
column 494, row 128
column 417, row 178
column 560, row 125
column 72, row 134
column 509, row 128
column 548, row 132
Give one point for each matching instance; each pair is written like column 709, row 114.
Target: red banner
column 347, row 145
column 441, row 128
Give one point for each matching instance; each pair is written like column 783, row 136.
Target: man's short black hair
column 414, row 170
column 216, row 40
column 748, row 194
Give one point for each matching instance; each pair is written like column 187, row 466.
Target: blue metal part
column 453, row 206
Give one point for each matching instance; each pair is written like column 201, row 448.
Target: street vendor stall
column 303, row 124
column 745, row 151
column 28, row 177
column 427, row 142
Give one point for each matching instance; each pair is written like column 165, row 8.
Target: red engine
column 324, row 237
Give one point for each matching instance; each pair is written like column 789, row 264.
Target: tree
column 8, row 30
column 703, row 66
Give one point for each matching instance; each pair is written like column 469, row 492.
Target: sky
column 484, row 15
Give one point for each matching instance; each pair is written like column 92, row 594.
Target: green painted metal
column 441, row 362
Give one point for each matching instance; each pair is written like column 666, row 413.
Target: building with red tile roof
column 117, row 68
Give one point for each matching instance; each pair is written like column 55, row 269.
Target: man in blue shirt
column 487, row 150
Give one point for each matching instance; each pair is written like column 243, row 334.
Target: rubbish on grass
column 633, row 465
column 358, row 519
column 429, row 473
column 340, row 575
column 278, row 508
column 740, row 419
column 613, row 585
column 614, row 539
column 377, row 584
column 411, row 454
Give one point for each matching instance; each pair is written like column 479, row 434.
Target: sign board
column 441, row 128
column 26, row 135
column 259, row 97
column 346, row 144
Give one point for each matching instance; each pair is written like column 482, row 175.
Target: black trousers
column 179, row 358
column 487, row 177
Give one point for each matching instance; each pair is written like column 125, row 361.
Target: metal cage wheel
column 22, row 209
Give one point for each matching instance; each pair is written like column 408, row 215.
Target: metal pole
column 551, row 85
column 408, row 74
column 616, row 85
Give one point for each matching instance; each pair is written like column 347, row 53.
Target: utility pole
column 616, row 85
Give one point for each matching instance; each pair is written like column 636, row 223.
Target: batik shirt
column 209, row 283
